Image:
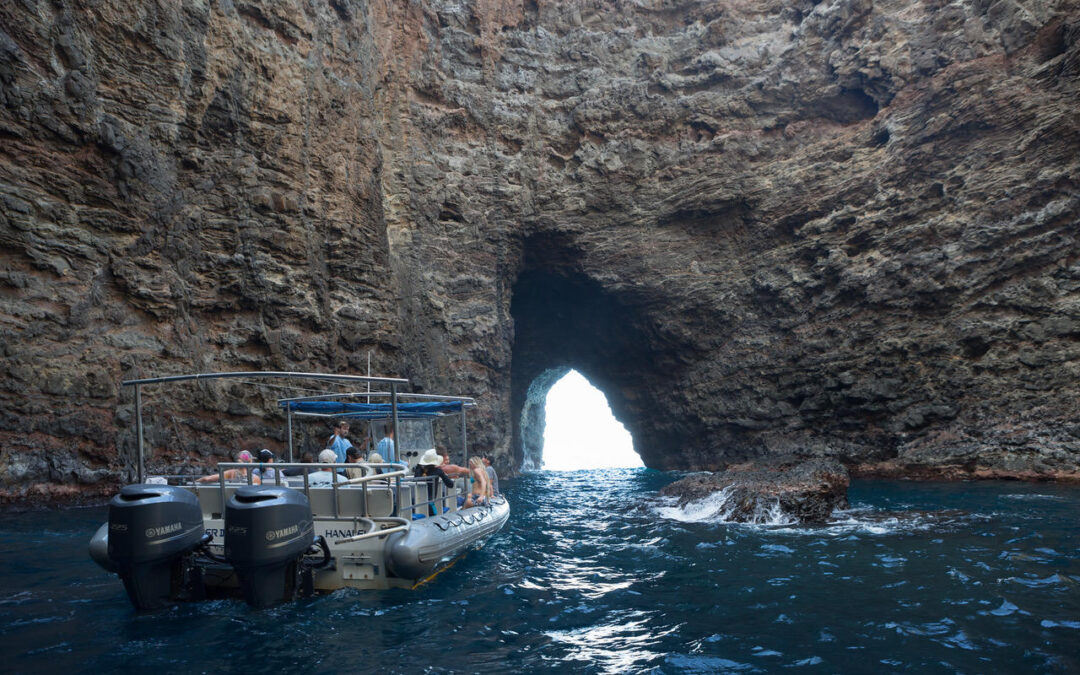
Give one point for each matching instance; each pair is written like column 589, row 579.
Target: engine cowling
column 152, row 528
column 268, row 529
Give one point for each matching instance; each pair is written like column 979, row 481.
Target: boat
column 173, row 539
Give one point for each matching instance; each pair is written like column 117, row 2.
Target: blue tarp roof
column 375, row 410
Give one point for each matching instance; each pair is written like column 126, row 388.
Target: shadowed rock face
column 842, row 228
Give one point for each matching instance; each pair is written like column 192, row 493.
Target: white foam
column 719, row 507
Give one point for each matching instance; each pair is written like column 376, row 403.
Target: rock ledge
column 806, row 490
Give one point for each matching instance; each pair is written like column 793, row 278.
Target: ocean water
column 596, row 574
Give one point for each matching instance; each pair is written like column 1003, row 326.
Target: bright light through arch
column 580, row 432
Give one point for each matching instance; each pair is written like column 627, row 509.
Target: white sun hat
column 431, row 458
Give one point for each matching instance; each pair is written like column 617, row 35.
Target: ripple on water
column 697, row 663
column 1047, row 623
column 1032, row 581
column 591, row 575
column 1032, row 497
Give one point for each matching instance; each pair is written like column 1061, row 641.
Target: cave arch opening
column 564, row 319
column 580, row 432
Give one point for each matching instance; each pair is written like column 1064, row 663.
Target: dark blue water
column 923, row 578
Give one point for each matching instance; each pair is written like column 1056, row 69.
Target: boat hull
column 416, row 553
column 398, row 559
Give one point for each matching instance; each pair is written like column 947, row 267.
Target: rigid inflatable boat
column 172, row 538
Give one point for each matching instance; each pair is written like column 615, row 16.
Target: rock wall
column 839, row 228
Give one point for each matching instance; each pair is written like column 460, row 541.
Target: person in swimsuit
column 481, row 486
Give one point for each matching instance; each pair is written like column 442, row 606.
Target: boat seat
column 380, row 500
column 351, row 501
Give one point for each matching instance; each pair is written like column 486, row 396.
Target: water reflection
column 588, row 577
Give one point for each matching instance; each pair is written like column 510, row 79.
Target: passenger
column 233, row 474
column 267, row 474
column 492, row 476
column 324, row 477
column 481, row 487
column 376, row 458
column 385, row 447
column 353, row 456
column 337, row 441
column 452, row 470
column 306, row 458
column 429, row 466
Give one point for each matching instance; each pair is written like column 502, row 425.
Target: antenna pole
column 139, row 431
column 288, row 426
column 393, row 408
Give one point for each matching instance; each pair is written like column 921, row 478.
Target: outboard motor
column 153, row 529
column 268, row 529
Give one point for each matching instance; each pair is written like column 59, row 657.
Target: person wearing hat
column 233, row 474
column 376, row 458
column 267, row 474
column 323, row 477
column 430, row 467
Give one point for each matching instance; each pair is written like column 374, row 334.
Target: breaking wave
column 720, row 507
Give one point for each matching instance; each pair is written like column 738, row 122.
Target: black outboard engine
column 152, row 531
column 268, row 529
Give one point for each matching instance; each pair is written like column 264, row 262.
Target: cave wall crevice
column 831, row 228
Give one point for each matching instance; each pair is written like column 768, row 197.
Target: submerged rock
column 806, row 490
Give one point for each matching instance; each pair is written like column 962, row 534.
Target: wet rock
column 763, row 228
column 806, row 490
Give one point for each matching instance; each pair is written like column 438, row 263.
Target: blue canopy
column 375, row 411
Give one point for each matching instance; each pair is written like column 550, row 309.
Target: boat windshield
column 411, row 434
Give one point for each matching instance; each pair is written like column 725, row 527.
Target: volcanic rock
column 806, row 490
column 840, row 228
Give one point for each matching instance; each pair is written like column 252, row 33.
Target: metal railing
column 139, row 383
column 443, row 501
column 385, row 473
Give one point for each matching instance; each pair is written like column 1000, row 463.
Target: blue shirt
column 386, row 449
column 268, row 475
column 339, row 446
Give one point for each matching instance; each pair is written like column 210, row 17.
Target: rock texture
column 782, row 488
column 837, row 228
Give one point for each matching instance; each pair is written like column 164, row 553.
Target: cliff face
column 839, row 228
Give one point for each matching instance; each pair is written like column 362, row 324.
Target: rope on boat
column 423, row 581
